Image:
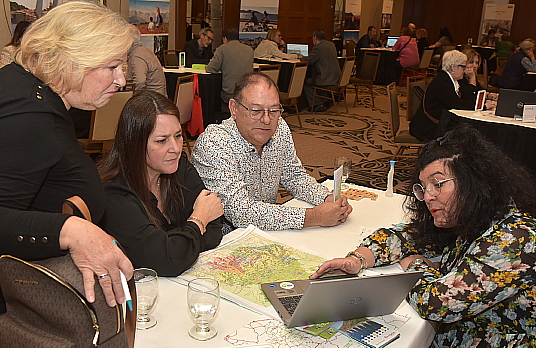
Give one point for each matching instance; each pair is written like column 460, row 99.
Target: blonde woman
column 269, row 48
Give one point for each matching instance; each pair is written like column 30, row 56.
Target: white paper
column 529, row 113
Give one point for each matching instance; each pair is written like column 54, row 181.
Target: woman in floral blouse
column 472, row 231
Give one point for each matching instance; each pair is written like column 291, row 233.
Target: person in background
column 469, row 85
column 150, row 25
column 8, row 52
column 369, row 39
column 472, row 231
column 412, row 29
column 71, row 57
column 269, row 48
column 422, row 42
column 504, row 48
column 233, row 59
column 490, row 39
column 324, row 64
column 443, row 93
column 199, row 51
column 445, row 38
column 247, row 157
column 159, row 19
column 518, row 65
column 408, row 53
column 159, row 211
column 144, row 68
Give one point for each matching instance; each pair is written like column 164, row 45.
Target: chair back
column 171, row 58
column 485, row 72
column 104, row 120
column 426, row 59
column 272, row 71
column 447, row 48
column 297, row 79
column 393, row 108
column 416, row 85
column 184, row 97
column 346, row 72
column 369, row 67
column 501, row 62
column 350, row 48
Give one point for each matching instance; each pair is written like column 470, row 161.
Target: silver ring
column 104, row 275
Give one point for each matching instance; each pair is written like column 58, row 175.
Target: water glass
column 347, row 167
column 146, row 281
column 203, row 300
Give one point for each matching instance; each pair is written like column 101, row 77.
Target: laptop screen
column 302, row 49
column 391, row 40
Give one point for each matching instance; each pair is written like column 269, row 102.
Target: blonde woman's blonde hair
column 70, row 40
column 271, row 34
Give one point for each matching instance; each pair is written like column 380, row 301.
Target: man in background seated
column 324, row 68
column 233, row 59
column 518, row 65
column 199, row 51
column 369, row 39
column 144, row 68
column 247, row 157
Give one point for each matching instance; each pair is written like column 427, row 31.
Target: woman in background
column 408, row 53
column 269, row 47
column 8, row 52
column 422, row 40
column 157, row 207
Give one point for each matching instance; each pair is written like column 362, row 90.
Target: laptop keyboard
column 290, row 303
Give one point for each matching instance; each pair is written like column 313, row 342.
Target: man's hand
column 328, row 213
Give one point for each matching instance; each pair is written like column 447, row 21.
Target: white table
column 489, row 116
column 172, row 313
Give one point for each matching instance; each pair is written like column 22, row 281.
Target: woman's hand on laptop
column 349, row 265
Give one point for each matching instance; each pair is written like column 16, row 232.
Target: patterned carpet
column 362, row 134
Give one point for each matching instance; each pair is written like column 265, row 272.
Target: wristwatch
column 416, row 262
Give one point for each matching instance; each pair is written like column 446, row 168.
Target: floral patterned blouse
column 484, row 292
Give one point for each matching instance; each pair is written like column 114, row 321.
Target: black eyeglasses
column 256, row 114
column 209, row 38
column 462, row 66
column 433, row 186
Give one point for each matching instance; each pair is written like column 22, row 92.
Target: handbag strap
column 68, row 207
column 436, row 121
column 196, row 84
column 407, row 42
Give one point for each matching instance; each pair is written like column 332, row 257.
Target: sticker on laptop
column 287, row 285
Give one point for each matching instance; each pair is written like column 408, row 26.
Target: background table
column 515, row 138
column 172, row 313
column 209, row 89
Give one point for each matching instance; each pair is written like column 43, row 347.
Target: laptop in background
column 511, row 102
column 304, row 302
column 391, row 40
column 302, row 49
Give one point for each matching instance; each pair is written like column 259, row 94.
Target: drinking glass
column 347, row 167
column 203, row 301
column 146, row 281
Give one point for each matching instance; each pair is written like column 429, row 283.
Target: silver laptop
column 391, row 40
column 302, row 49
column 304, row 302
column 511, row 102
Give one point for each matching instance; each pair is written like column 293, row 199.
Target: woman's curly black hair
column 488, row 184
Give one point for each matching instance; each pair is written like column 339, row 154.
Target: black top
column 440, row 95
column 41, row 166
column 422, row 43
column 169, row 251
column 512, row 75
column 365, row 41
column 196, row 56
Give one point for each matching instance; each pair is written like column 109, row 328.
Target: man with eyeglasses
column 199, row 51
column 247, row 157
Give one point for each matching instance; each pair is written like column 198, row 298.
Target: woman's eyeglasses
column 433, row 186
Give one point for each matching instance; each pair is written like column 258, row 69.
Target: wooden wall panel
column 523, row 22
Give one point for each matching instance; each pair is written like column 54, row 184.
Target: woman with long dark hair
column 157, row 207
column 472, row 231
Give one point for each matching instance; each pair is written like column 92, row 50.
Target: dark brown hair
column 128, row 156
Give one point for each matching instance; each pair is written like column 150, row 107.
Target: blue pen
column 125, row 287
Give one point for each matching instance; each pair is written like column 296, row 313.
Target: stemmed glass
column 203, row 301
column 146, row 281
column 347, row 167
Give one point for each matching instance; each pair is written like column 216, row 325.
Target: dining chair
column 367, row 74
column 424, row 67
column 340, row 89
column 271, row 70
column 295, row 88
column 171, row 58
column 184, row 98
column 401, row 138
column 416, row 86
column 104, row 121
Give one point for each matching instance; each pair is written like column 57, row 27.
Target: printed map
column 254, row 258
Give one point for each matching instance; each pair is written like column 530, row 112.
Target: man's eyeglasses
column 256, row 114
column 433, row 186
column 209, row 38
column 462, row 66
